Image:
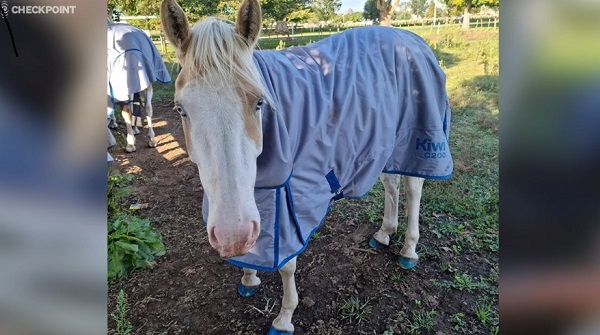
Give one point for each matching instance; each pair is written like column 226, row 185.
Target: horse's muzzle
column 236, row 240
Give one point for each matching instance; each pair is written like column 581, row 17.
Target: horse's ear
column 175, row 24
column 249, row 20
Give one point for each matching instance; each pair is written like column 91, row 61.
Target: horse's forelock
column 219, row 56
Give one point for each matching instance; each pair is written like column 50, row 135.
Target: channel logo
column 4, row 8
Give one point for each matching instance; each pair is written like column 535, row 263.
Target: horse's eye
column 179, row 110
column 259, row 104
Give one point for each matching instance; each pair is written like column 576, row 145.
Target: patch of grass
column 166, row 92
column 317, row 236
column 463, row 281
column 486, row 312
column 124, row 327
column 421, row 322
column 356, row 310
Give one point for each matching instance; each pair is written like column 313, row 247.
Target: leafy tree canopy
column 462, row 4
column 418, row 7
column 370, row 11
column 325, row 9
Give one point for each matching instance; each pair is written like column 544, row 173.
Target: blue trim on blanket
column 284, row 262
column 277, row 223
column 418, row 175
column 290, row 202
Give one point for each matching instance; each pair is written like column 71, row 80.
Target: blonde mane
column 218, row 55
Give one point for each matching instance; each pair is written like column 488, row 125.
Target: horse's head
column 217, row 93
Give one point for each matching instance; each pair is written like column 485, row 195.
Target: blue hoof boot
column 247, row 291
column 273, row 331
column 406, row 263
column 374, row 244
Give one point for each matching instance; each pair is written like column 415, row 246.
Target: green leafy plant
column 116, row 190
column 123, row 325
column 132, row 244
column 281, row 45
column 458, row 322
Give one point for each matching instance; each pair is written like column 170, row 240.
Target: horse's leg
column 249, row 284
column 127, row 117
column 148, row 105
column 391, row 185
column 283, row 323
column 413, row 186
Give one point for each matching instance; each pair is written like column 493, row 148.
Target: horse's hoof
column 152, row 144
column 374, row 244
column 247, row 291
column 273, row 331
column 130, row 148
column 406, row 263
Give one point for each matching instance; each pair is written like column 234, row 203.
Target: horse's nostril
column 255, row 230
column 212, row 237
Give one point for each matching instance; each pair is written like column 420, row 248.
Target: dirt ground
column 191, row 290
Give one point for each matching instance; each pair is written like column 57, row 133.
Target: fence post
column 163, row 45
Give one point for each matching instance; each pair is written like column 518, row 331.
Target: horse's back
column 122, row 37
column 133, row 62
column 377, row 90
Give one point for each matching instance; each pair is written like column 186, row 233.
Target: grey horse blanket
column 133, row 62
column 347, row 108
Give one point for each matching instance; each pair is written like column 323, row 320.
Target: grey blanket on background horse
column 133, row 62
column 359, row 103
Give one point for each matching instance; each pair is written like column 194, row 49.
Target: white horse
column 133, row 64
column 279, row 135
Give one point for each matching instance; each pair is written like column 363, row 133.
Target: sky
column 356, row 5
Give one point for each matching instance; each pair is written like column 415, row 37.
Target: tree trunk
column 385, row 19
column 386, row 9
column 467, row 17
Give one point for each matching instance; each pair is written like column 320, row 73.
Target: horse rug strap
column 347, row 108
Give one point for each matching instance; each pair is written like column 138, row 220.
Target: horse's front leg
column 413, row 187
column 128, row 118
column 249, row 284
column 148, row 106
column 283, row 323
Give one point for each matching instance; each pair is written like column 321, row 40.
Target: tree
column 325, row 9
column 370, row 12
column 386, row 9
column 431, row 9
column 278, row 10
column 403, row 12
column 301, row 15
column 467, row 5
column 418, row 7
column 352, row 16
